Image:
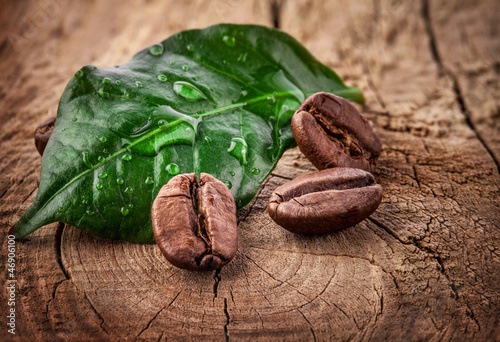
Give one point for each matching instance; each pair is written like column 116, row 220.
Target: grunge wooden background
column 424, row 267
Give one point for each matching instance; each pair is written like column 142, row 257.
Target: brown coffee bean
column 325, row 201
column 194, row 222
column 331, row 132
column 43, row 133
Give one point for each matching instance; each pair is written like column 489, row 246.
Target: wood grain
column 424, row 266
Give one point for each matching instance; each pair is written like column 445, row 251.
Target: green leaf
column 217, row 100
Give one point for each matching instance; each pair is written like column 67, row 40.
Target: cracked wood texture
column 424, row 266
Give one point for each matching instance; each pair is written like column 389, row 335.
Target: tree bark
column 424, row 266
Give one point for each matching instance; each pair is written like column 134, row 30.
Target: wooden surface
column 424, row 266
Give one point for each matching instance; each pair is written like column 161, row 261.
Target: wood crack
column 96, row 312
column 455, row 86
column 58, row 239
column 310, row 325
column 157, row 314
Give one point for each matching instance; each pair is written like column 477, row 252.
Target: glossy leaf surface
column 217, row 100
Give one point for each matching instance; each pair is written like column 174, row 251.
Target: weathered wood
column 424, row 266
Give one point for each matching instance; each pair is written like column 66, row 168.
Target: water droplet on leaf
column 232, row 173
column 119, row 181
column 162, row 122
column 243, row 57
column 149, row 181
column 106, row 80
column 103, row 139
column 207, row 139
column 117, row 83
column 156, row 50
column 85, row 201
column 194, row 78
column 138, row 84
column 128, row 190
column 127, row 157
column 185, row 67
column 190, row 47
column 172, row 169
column 103, row 94
column 89, row 212
column 102, row 175
column 79, row 74
column 124, row 211
column 256, row 171
column 86, row 161
column 239, row 149
column 271, row 99
column 162, row 78
column 229, row 41
column 228, row 184
column 188, row 91
column 101, row 159
column 98, row 186
column 244, row 93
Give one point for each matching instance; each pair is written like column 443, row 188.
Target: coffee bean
column 325, row 201
column 331, row 132
column 43, row 133
column 194, row 222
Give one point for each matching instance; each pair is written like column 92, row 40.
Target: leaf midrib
column 173, row 124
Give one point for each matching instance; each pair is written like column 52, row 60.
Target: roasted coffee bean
column 331, row 132
column 43, row 133
column 194, row 222
column 325, row 201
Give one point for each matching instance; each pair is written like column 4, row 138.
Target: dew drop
column 149, row 181
column 178, row 36
column 190, row 47
column 119, row 181
column 156, row 50
column 172, row 169
column 242, row 58
column 162, row 78
column 271, row 99
column 172, row 62
column 86, row 161
column 256, row 171
column 229, row 41
column 162, row 122
column 85, row 201
column 89, row 212
column 188, row 91
column 239, row 149
column 195, row 78
column 102, row 175
column 128, row 190
column 103, row 94
column 74, row 119
column 124, row 211
column 101, row 159
column 127, row 157
column 244, row 93
column 232, row 173
column 207, row 139
column 106, row 80
column 98, row 186
column 130, row 206
column 103, row 139
column 228, row 184
column 138, row 84
column 105, row 150
column 185, row 67
column 117, row 83
column 79, row 74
